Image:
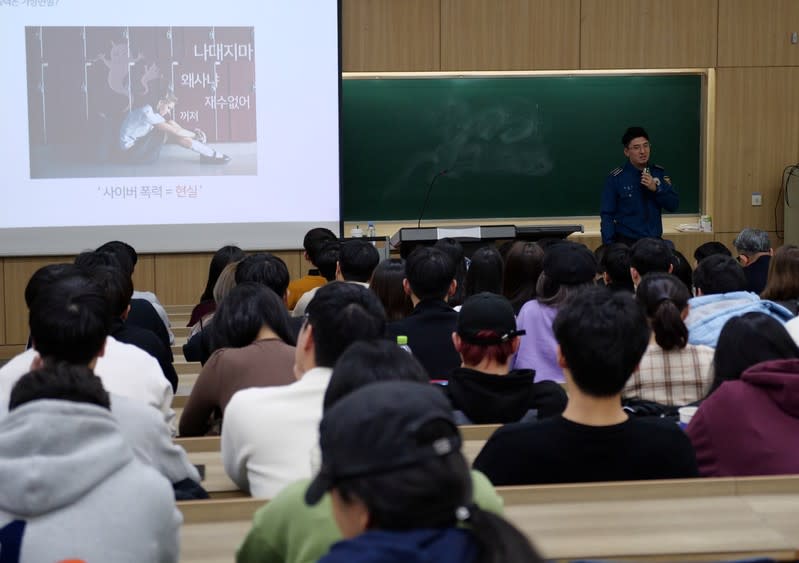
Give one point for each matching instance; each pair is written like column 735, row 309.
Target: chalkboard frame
column 702, row 204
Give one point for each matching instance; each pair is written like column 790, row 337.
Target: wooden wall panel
column 2, row 305
column 180, row 278
column 648, row 33
column 510, row 34
column 758, row 32
column 390, row 35
column 144, row 274
column 757, row 111
column 16, row 273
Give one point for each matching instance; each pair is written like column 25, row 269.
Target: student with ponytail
column 399, row 485
column 672, row 372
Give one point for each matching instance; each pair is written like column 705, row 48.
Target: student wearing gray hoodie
column 72, row 487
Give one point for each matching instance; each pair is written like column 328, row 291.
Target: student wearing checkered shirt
column 672, row 371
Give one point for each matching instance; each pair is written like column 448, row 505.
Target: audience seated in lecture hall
column 650, row 255
column 312, row 243
column 672, row 372
column 400, row 488
column 264, row 268
column 254, row 348
column 429, row 280
column 484, row 390
column 125, row 369
column 601, row 337
column 69, row 322
column 386, row 283
column 224, row 284
column 454, row 249
column 72, row 487
column 357, row 259
column 269, row 432
column 615, row 266
column 748, row 423
column 207, row 305
column 141, row 313
column 287, row 530
column 568, row 267
column 720, row 287
column 484, row 273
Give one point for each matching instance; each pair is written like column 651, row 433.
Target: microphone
column 427, row 197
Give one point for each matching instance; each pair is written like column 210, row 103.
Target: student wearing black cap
column 484, row 390
column 400, row 486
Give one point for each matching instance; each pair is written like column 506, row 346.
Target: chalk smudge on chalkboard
column 487, row 141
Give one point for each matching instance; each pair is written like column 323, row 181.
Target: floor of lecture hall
column 53, row 162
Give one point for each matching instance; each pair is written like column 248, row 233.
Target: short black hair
column 314, row 240
column 710, row 248
column 45, row 276
column 602, row 335
column 633, row 133
column 340, row 314
column 60, row 381
column 682, row 269
column 357, row 260
column 327, row 258
column 454, row 249
column 719, row 274
column 485, row 272
column 429, row 272
column 370, row 361
column 244, row 311
column 651, row 255
column 266, row 269
column 69, row 320
column 124, row 252
column 616, row 263
column 104, row 268
column 91, row 259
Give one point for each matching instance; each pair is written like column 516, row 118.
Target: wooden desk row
column 674, row 520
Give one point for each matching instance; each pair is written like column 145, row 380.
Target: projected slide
column 177, row 126
column 141, row 101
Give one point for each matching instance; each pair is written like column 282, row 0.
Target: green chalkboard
column 537, row 146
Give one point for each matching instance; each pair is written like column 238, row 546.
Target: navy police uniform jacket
column 629, row 209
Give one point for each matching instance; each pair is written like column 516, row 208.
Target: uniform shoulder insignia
column 657, row 167
column 616, row 171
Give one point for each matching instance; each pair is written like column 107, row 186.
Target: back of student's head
column 225, row 282
column 524, row 263
column 370, row 361
column 221, row 258
column 485, row 272
column 486, row 329
column 430, row 272
column 91, row 259
column 748, row 340
column 664, row 298
column 568, row 268
column 341, row 313
column 116, row 283
column 327, row 259
column 710, row 248
column 394, row 446
column 357, row 260
column 45, row 276
column 125, row 253
column 69, row 320
column 616, row 264
column 602, row 336
column 454, row 249
column 266, row 269
column 315, row 239
column 783, row 274
column 386, row 283
column 651, row 255
column 244, row 312
column 719, row 274
column 59, row 381
column 682, row 269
